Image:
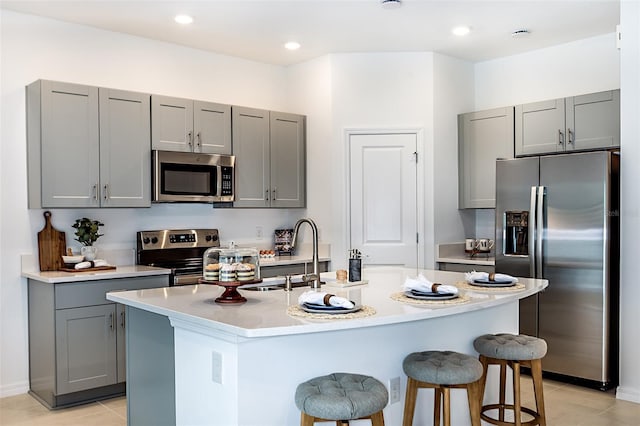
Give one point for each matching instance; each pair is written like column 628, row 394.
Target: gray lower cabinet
column 190, row 126
column 77, row 339
column 87, row 146
column 483, row 137
column 292, row 269
column 465, row 267
column 576, row 123
column 270, row 158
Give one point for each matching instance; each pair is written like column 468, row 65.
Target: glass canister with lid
column 231, row 264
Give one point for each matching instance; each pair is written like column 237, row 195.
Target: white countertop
column 126, row 271
column 454, row 253
column 264, row 313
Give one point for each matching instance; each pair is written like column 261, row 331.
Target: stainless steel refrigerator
column 557, row 218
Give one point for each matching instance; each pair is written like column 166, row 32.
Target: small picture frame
column 282, row 241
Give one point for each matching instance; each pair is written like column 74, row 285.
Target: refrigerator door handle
column 539, row 229
column 532, row 232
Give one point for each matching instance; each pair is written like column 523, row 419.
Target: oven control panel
column 177, row 238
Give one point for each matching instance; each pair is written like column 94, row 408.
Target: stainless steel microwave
column 192, row 177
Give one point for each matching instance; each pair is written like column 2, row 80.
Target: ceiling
column 257, row 29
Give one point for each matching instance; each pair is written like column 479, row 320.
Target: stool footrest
column 510, row 407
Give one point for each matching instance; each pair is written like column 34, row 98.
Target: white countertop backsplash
column 454, row 253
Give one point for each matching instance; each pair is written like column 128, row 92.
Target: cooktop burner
column 180, row 250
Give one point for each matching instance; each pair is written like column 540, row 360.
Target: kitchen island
column 191, row 361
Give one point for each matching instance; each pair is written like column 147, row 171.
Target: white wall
column 453, row 94
column 34, row 48
column 378, row 91
column 629, row 388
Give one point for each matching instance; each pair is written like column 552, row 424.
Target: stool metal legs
column 441, row 401
column 517, row 408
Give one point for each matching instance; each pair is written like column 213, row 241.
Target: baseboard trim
column 626, row 393
column 14, row 389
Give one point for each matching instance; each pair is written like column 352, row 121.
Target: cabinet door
column 69, row 145
column 540, row 127
column 484, row 136
column 171, row 124
column 287, row 140
column 125, row 149
column 85, row 348
column 251, row 148
column 593, row 121
column 212, row 127
column 121, row 350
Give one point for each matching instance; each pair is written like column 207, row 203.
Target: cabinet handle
column 190, row 140
column 95, row 192
column 199, row 142
column 569, row 137
column 560, row 137
column 111, row 321
column 105, row 192
column 274, row 193
column 266, row 194
column 122, row 319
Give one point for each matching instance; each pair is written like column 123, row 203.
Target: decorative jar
column 231, row 264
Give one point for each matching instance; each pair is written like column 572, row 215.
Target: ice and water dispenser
column 516, row 241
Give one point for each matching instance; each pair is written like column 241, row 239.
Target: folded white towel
column 424, row 285
column 324, row 299
column 91, row 264
column 473, row 275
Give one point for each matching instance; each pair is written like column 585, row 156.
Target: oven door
column 192, row 177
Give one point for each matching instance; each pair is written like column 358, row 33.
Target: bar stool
column 513, row 351
column 341, row 397
column 442, row 371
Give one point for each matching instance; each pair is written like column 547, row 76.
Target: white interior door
column 383, row 198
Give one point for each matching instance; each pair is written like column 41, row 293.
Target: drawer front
column 88, row 293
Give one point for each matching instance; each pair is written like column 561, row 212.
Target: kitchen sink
column 270, row 287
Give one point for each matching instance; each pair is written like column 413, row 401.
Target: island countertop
column 265, row 313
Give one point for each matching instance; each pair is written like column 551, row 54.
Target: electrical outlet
column 394, row 390
column 216, row 367
column 259, row 234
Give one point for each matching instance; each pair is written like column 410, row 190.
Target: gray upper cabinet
column 483, row 137
column 125, row 151
column 87, row 147
column 568, row 124
column 287, row 136
column 190, row 126
column 270, row 158
column 593, row 121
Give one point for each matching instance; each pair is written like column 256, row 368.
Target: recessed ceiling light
column 461, row 30
column 391, row 4
column 292, row 45
column 520, row 33
column 183, row 19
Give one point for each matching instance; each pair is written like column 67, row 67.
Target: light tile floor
column 566, row 405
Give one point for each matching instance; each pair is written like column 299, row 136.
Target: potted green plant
column 87, row 233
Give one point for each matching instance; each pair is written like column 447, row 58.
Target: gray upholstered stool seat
column 441, row 371
column 342, row 396
column 510, row 346
column 513, row 350
column 442, row 368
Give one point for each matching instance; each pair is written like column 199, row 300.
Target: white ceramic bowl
column 73, row 259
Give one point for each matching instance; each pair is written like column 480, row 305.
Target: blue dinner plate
column 495, row 283
column 430, row 294
column 322, row 309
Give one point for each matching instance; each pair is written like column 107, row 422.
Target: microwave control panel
column 227, row 180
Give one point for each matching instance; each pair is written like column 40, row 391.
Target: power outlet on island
column 394, row 390
column 216, row 367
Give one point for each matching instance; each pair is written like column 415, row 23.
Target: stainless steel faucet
column 314, row 278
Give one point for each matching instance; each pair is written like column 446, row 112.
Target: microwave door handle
column 539, row 229
column 532, row 232
column 219, row 181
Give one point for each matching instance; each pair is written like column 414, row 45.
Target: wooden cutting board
column 51, row 245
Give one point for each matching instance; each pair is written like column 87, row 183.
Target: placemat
column 401, row 297
column 296, row 311
column 463, row 285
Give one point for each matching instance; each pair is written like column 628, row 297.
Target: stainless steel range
column 180, row 250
